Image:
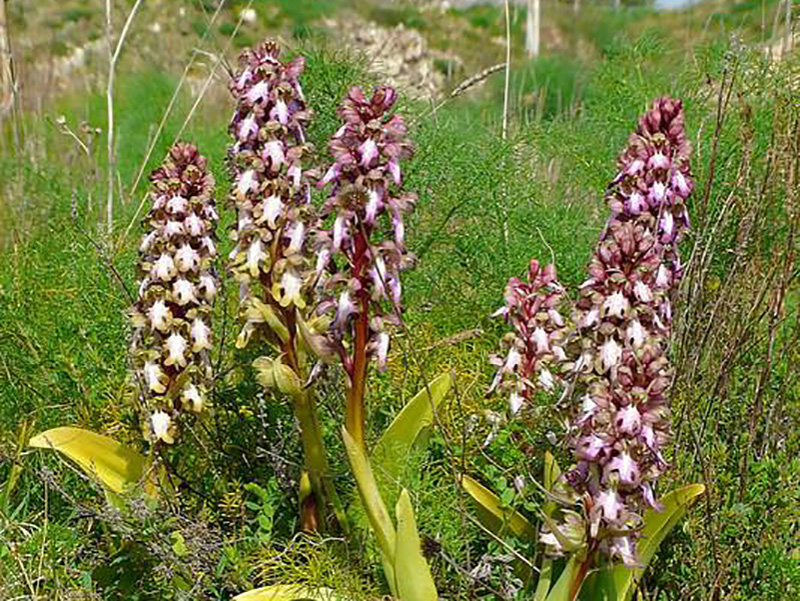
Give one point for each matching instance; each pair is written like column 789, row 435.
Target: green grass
column 486, row 207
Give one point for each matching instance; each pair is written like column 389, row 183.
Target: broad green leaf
column 494, row 515
column 565, row 585
column 551, row 475
column 116, row 466
column 545, row 578
column 619, row 582
column 551, row 470
column 394, row 446
column 377, row 514
column 289, row 592
column 414, row 580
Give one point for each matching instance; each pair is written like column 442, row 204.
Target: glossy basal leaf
column 619, row 582
column 398, row 439
column 563, row 589
column 116, row 466
column 376, row 511
column 289, row 592
column 545, row 578
column 414, row 580
column 551, row 475
column 500, row 520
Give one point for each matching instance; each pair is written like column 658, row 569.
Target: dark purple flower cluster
column 536, row 346
column 623, row 320
column 366, row 190
column 270, row 193
column 178, row 284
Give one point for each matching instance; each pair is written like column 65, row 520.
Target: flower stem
column 316, row 459
column 354, row 421
column 314, row 452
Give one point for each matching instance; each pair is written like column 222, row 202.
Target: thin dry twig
column 113, row 58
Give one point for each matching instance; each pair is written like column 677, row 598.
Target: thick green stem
column 316, row 459
column 315, row 455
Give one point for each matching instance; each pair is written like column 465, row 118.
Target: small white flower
column 187, row 258
column 258, row 91
column 292, row 286
column 201, row 335
column 160, row 422
column 344, row 310
column 183, row 292
column 255, row 255
column 373, row 206
column 628, row 419
column 610, row 354
column 244, row 77
column 193, row 398
column 147, row 241
column 610, row 504
column 273, row 150
column 542, row 340
column 679, row 182
column 209, row 245
column 658, row 190
column 626, row 467
column 294, row 172
column 636, row 203
column 642, row 292
column 248, row 15
column 177, row 204
column 590, row 318
column 546, row 379
column 164, row 268
column 247, row 183
column 296, row 238
column 339, row 228
column 667, row 223
column 173, row 228
column 512, row 361
column 636, row 334
column 194, row 225
column 273, row 209
column 368, row 151
column 658, row 161
column 208, row 288
column 176, row 350
column 635, row 167
column 515, row 402
column 154, row 377
column 662, row 277
column 323, row 258
column 160, row 315
column 616, row 305
column 382, row 349
column 280, row 112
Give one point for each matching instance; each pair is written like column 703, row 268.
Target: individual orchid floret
column 623, row 321
column 364, row 247
column 172, row 335
column 270, row 194
column 535, row 349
